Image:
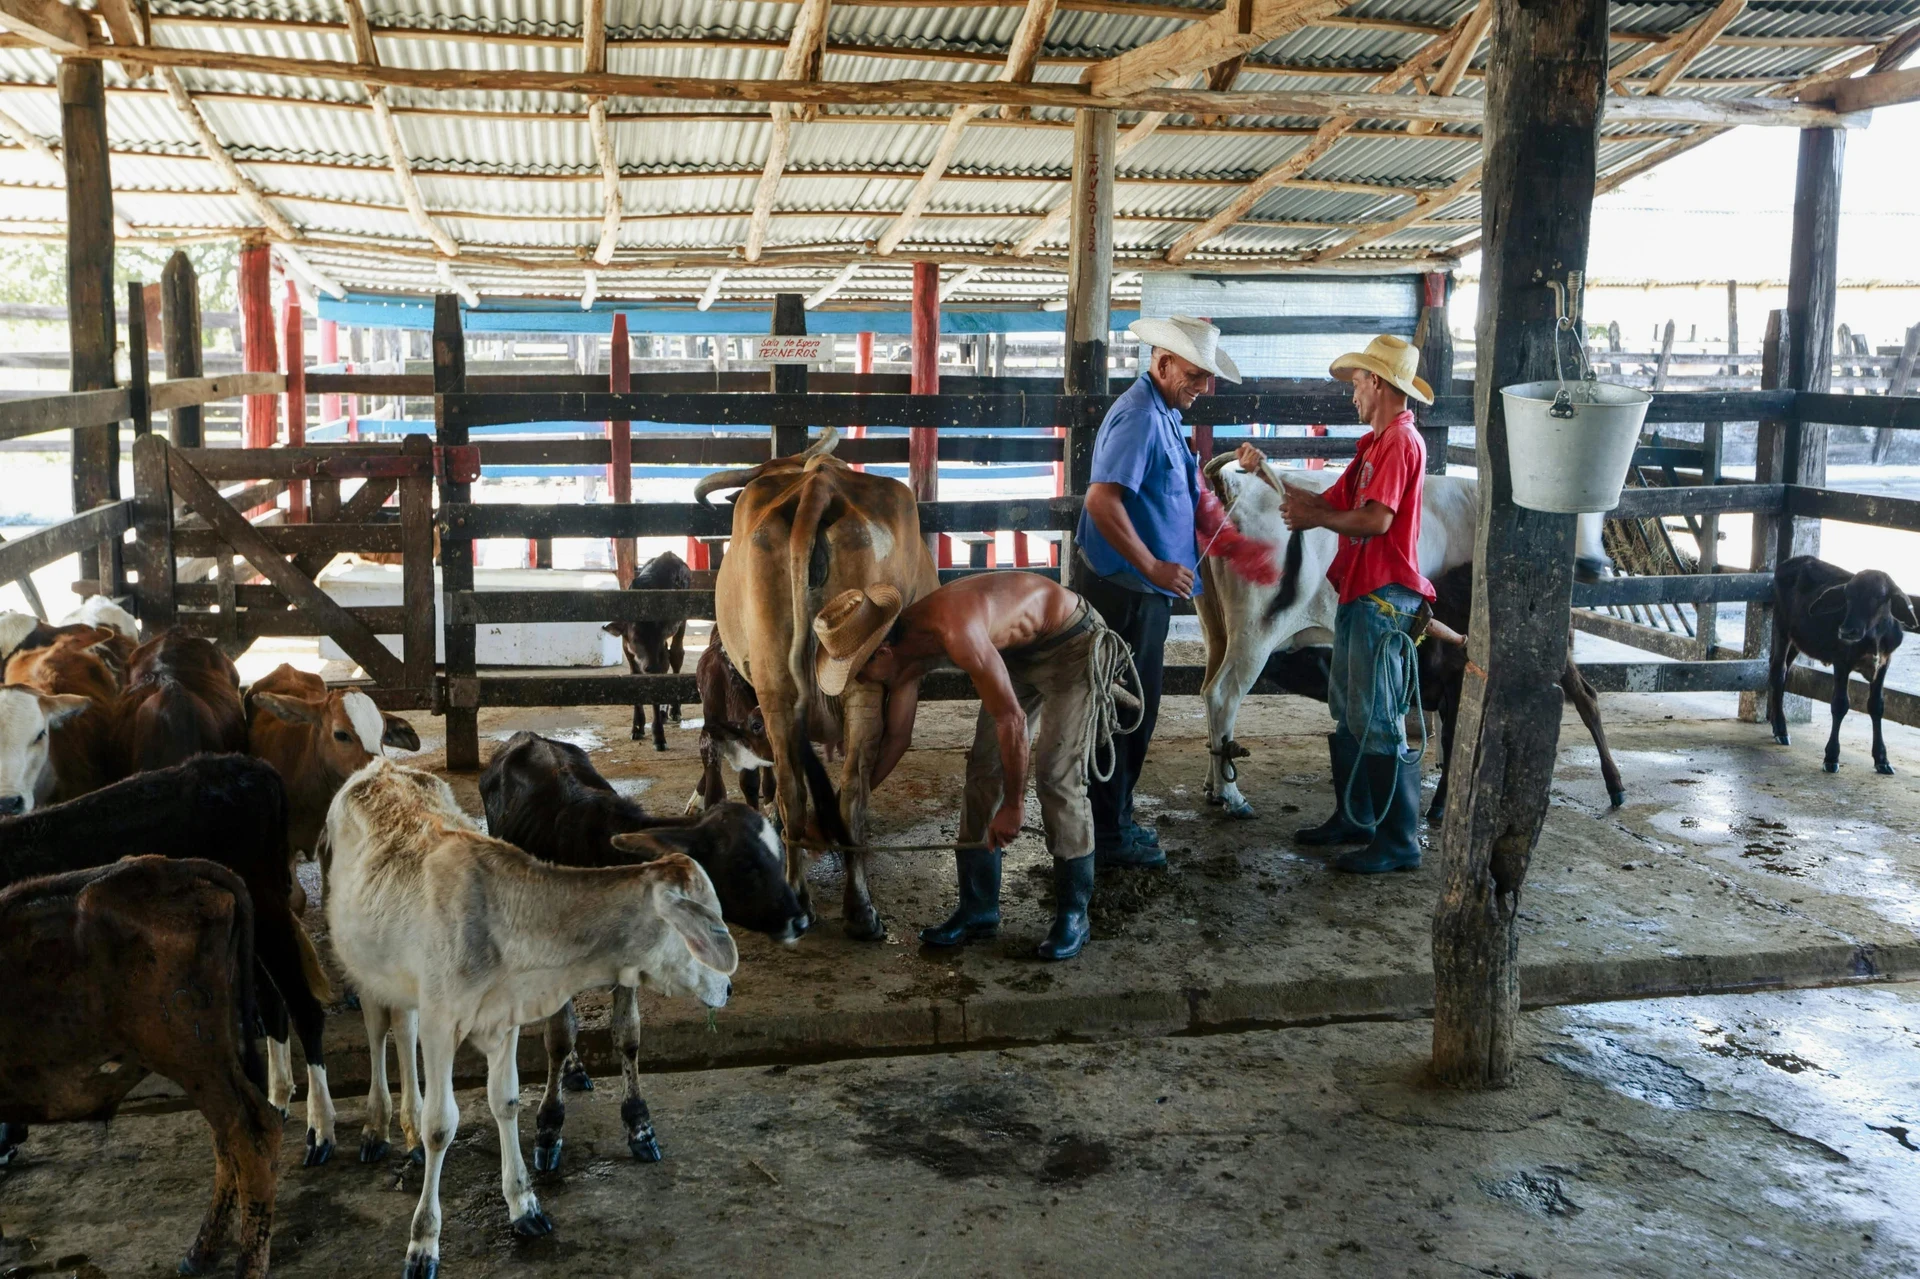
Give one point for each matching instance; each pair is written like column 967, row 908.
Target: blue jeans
column 1366, row 693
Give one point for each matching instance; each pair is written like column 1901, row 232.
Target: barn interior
column 1652, row 1037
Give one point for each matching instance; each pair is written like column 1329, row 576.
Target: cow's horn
column 829, row 441
column 1217, row 463
column 725, row 480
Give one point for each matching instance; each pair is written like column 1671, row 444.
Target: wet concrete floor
column 1755, row 1135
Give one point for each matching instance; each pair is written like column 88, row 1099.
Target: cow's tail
column 1289, row 591
column 240, row 955
column 826, row 805
column 310, row 966
column 816, row 493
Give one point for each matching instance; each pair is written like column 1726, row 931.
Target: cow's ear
column 293, row 710
column 61, row 707
column 612, row 628
column 398, row 734
column 642, row 846
column 1902, row 609
column 702, row 929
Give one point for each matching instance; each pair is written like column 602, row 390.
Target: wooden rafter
column 449, row 277
column 959, row 280
column 217, row 152
column 32, row 142
column 128, row 27
column 47, row 23
column 803, row 43
column 1421, row 207
column 833, row 286
column 1881, row 89
column 1703, row 34
column 1467, row 32
column 297, row 263
column 712, row 294
column 1237, row 29
column 610, row 207
column 1466, row 41
column 1024, row 54
column 367, row 62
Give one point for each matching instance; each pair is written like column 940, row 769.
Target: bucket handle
column 1568, row 306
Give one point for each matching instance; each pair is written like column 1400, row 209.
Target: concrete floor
column 1174, row 1099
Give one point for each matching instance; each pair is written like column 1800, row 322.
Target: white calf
column 1245, row 624
column 463, row 937
column 27, row 717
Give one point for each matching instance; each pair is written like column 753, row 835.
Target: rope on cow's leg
column 1228, row 751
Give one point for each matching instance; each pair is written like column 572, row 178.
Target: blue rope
column 1396, row 645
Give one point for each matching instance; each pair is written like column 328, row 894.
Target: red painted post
column 620, row 447
column 329, row 356
column 256, row 335
column 296, row 401
column 1317, row 463
column 923, row 442
column 862, row 363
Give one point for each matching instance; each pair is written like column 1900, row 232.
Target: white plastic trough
column 515, row 644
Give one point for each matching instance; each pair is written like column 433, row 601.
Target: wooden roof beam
column 32, row 142
column 1241, row 27
column 50, row 24
column 297, row 263
column 367, row 63
column 468, row 294
column 1695, row 43
column 128, row 27
column 960, row 280
column 712, row 293
column 1424, row 205
column 804, row 43
column 826, row 291
column 217, row 152
column 610, row 206
column 1467, row 38
column 1024, row 54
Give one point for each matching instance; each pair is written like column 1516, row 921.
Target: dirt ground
column 1230, row 1079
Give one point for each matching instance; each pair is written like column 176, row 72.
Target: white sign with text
column 789, row 350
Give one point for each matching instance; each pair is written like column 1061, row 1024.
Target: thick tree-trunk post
column 255, row 286
column 180, row 342
column 1089, row 292
column 923, row 442
column 626, row 559
column 152, row 534
column 456, row 553
column 1813, row 280
column 139, row 374
column 1769, row 466
column 1546, row 73
column 90, row 301
column 296, row 400
column 789, row 321
column 1435, row 341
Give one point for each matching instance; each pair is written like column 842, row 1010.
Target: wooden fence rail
column 57, row 541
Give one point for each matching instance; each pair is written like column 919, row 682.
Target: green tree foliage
column 37, row 273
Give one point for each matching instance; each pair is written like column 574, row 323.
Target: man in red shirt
column 1375, row 509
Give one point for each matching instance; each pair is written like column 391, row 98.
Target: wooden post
column 1089, row 291
column 255, row 285
column 90, row 302
column 180, row 342
column 1707, row 616
column 1897, row 384
column 1813, row 280
column 789, row 320
column 1546, row 78
column 139, row 374
column 1436, row 361
column 862, row 363
column 923, row 443
column 626, row 559
column 462, row 701
column 296, row 400
column 1666, row 358
column 1733, row 326
column 1769, row 465
column 417, row 634
column 152, row 549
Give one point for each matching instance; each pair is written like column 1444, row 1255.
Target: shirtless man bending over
column 1034, row 650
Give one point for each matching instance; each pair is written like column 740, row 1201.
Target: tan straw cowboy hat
column 850, row 626
column 1194, row 341
column 1391, row 359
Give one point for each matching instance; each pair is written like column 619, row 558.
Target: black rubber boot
column 1396, row 840
column 1342, row 827
column 1072, row 890
column 978, row 914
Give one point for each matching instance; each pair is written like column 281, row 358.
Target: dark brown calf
column 1850, row 621
column 1443, row 668
column 656, row 645
column 182, row 699
column 732, row 733
column 143, row 967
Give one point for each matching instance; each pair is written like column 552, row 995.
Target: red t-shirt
column 1388, row 467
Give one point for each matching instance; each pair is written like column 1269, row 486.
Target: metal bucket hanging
column 1569, row 444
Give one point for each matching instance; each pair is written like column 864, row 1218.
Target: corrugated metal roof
column 514, row 177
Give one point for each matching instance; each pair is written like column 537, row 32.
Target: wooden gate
column 181, row 513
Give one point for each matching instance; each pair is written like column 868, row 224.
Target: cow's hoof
column 421, row 1266
column 866, row 925
column 1239, row 810
column 639, row 734
column 284, row 1111
column 318, row 1152
column 1832, row 765
column 417, row 1156
column 1438, row 813
column 645, row 1148
column 1783, row 738
column 1616, row 797
column 577, row 1080
column 1883, row 768
column 373, row 1150
column 659, row 746
column 532, row 1224
column 192, row 1264
column 352, row 1001
column 546, row 1158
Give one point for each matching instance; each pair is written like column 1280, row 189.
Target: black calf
column 655, row 645
column 1849, row 621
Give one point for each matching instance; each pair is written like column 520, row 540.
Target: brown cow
column 143, row 967
column 316, row 738
column 806, row 528
column 182, row 698
column 75, row 661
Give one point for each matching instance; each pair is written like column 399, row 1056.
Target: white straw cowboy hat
column 1391, row 359
column 1194, row 341
column 850, row 626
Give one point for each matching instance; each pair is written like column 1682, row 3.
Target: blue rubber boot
column 1396, row 840
column 1343, row 827
column 1072, row 890
column 978, row 914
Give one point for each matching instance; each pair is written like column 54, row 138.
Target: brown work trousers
column 1055, row 688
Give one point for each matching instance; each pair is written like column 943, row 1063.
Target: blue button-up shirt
column 1142, row 448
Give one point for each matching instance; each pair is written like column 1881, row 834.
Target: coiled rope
column 1110, row 661
column 1396, row 646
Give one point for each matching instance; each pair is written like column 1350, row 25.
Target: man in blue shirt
column 1136, row 551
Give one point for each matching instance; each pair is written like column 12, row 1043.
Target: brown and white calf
column 653, row 646
column 546, row 798
column 182, row 698
column 143, row 967
column 78, row 661
column 316, row 738
column 469, row 938
column 1850, row 621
